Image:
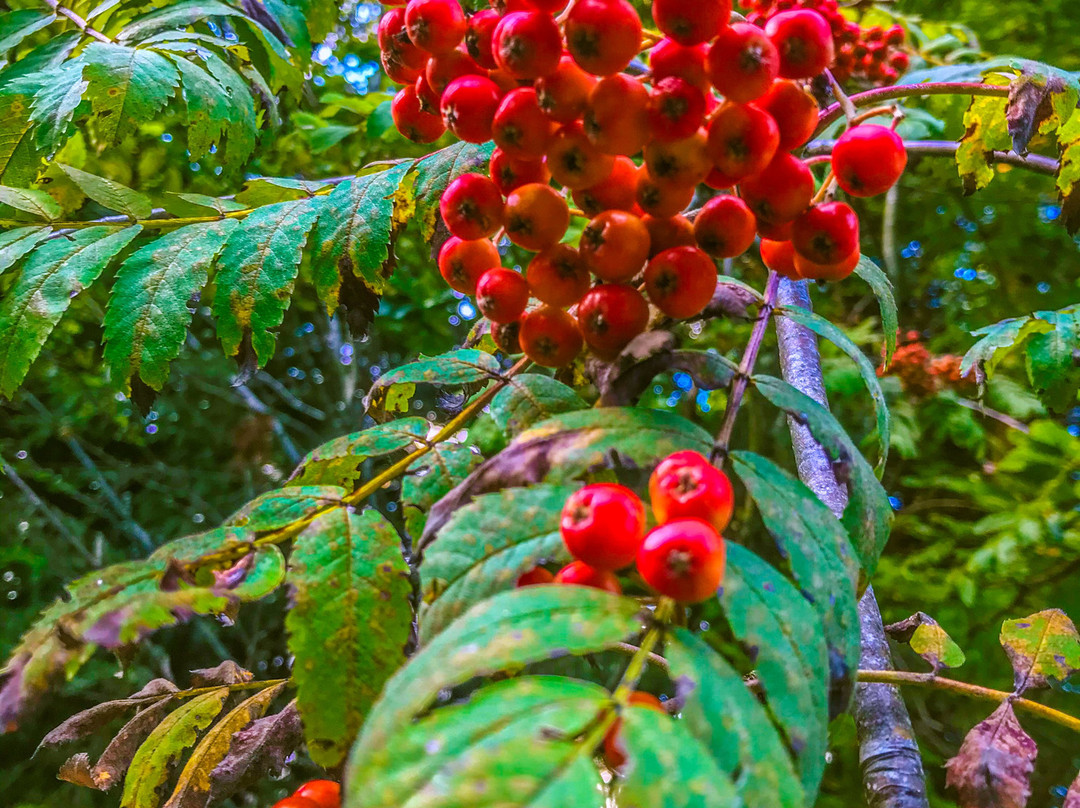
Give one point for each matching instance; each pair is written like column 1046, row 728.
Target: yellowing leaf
column 986, row 131
column 1041, row 646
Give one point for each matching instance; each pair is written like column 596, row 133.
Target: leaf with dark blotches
column 1037, row 104
column 994, row 764
column 986, row 131
column 349, row 623
column 258, row 750
column 95, row 718
column 1043, row 645
column 283, row 506
column 115, row 760
column 454, row 369
column 1068, row 174
column 225, row 673
column 927, row 639
column 337, row 462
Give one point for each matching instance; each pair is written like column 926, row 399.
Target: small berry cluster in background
column 874, row 55
column 577, row 118
column 313, row 794
column 924, row 373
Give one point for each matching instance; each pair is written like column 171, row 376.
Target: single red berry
column 779, row 256
column 676, row 109
column 900, row 61
column 527, row 44
column 558, row 276
column 781, row 192
column 895, row 35
column 520, row 127
column 507, row 336
column 685, row 485
column 468, row 107
column 574, row 162
column 668, row 232
column 718, row 180
column 480, row 36
column 537, row 575
column 536, row 216
column 444, row 68
column 396, row 70
column 411, row 119
column 610, row 315
column 669, row 58
column 550, row 6
column 742, row 63
column 681, row 282
column 427, row 97
column 617, row 118
column 826, row 233
column 691, row 22
column 461, row 263
column 501, row 295
column 804, row 40
column 794, row 110
column 835, row 271
column 550, row 337
column 437, row 26
column 614, row 752
column 508, row 173
column 615, row 245
column 662, row 199
column 603, row 525
column 603, row 36
column 683, row 560
column 296, row 802
column 868, row 160
column 742, row 140
column 578, row 573
column 725, row 227
column 394, row 39
column 324, row 793
column 682, row 163
column 616, row 192
column 472, row 207
column 564, row 93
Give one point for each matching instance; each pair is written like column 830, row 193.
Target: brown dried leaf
column 227, row 673
column 994, row 764
column 733, row 300
column 1030, row 103
column 156, row 687
column 1040, row 646
column 82, row 724
column 256, row 752
column 114, row 761
column 76, row 769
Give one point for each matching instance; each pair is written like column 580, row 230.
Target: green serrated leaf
column 14, row 244
column 148, row 316
column 256, row 273
column 15, row 26
column 1068, row 174
column 209, row 107
column 1041, row 646
column 823, row 328
column 486, row 546
column 177, row 15
column 439, row 169
column 354, row 232
column 337, row 462
column 259, row 191
column 284, row 506
column 985, row 355
column 19, row 156
column 200, row 203
column 986, row 131
column 109, row 193
column 349, row 623
column 530, row 398
column 883, row 290
column 430, row 478
column 30, row 200
column 466, row 366
column 57, row 94
column 54, row 274
column 126, row 86
column 179, row 731
column 1051, row 358
column 189, row 548
column 929, row 640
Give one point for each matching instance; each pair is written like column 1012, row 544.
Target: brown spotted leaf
column 927, row 639
column 226, row 673
column 1043, row 646
column 258, row 751
column 1032, row 102
column 100, row 715
column 994, row 764
column 116, row 758
column 76, row 769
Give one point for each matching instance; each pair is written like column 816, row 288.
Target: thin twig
column 982, row 409
column 654, row 659
column 80, row 23
column 48, row 513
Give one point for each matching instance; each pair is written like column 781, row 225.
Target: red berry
column 428, row 98
column 610, row 316
column 296, row 802
column 501, row 295
column 472, row 207
column 550, row 6
column 676, row 109
column 779, row 256
column 324, row 793
column 536, row 216
column 669, row 58
column 718, row 180
column 550, row 337
column 394, row 39
column 507, row 336
column 683, row 560
column 537, row 575
column 826, row 233
column 461, row 263
column 742, row 140
column 668, row 232
column 804, row 40
column 895, row 35
column 794, row 110
column 411, row 119
column 900, row 61
column 520, row 127
column 614, row 752
column 835, row 271
column 603, row 36
column 574, row 161
column 868, row 160
column 437, row 26
column 603, row 525
column 444, row 68
column 396, row 70
column 579, row 573
column 468, row 107
column 781, row 192
column 480, row 35
column 617, row 117
column 527, row 44
column 662, row 199
column 725, row 227
column 691, row 22
column 682, row 163
column 564, row 93
column 742, row 63
column 681, row 282
column 509, row 173
column 685, row 485
column 615, row 245
column 557, row 276
column 616, row 192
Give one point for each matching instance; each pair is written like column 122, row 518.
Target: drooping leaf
column 260, row 749
column 284, row 506
column 54, row 274
column 465, row 366
column 224, row 673
column 170, row 739
column 116, row 759
column 177, row 15
column 997, row 340
column 94, row 719
column 57, row 91
column 927, row 639
column 430, row 478
column 109, row 193
column 127, row 86
column 32, row 201
column 529, row 398
column 486, row 546
column 1041, row 646
column 437, row 170
column 19, row 155
column 15, row 26
column 14, row 244
column 337, row 462
column 883, row 290
column 257, row 269
column 823, row 328
column 1052, row 358
column 349, row 623
column 986, row 131
column 148, row 316
column 724, row 716
column 994, row 764
column 259, row 191
column 208, row 106
column 1037, row 104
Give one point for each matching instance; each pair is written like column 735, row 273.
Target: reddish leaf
column 994, row 764
column 76, row 769
column 257, row 751
column 100, row 715
column 116, row 758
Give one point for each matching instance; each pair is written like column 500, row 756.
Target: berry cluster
column 313, row 794
column 923, row 373
column 874, row 55
column 566, row 101
column 603, row 527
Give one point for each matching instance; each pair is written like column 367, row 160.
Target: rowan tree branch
column 889, row 756
column 947, row 148
column 876, row 96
